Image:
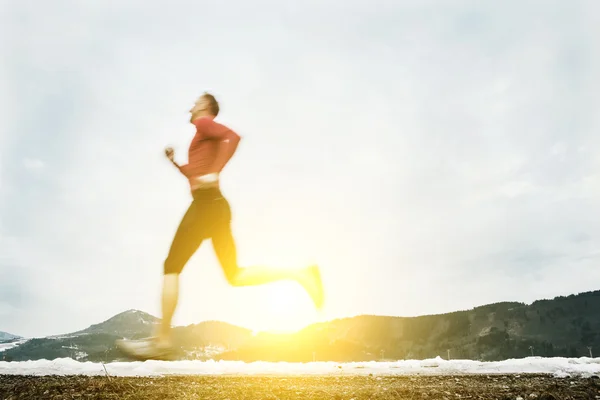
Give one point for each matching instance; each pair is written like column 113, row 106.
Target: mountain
column 564, row 326
column 128, row 324
column 5, row 337
column 212, row 333
column 97, row 342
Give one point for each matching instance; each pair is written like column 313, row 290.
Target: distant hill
column 563, row 326
column 5, row 337
column 130, row 324
column 212, row 333
column 96, row 343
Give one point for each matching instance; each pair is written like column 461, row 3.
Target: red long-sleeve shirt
column 212, row 147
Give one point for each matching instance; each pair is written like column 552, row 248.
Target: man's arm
column 184, row 169
column 228, row 143
column 170, row 153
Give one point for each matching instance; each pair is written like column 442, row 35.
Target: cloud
column 33, row 164
column 15, row 294
column 11, row 292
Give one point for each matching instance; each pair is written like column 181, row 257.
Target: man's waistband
column 207, row 193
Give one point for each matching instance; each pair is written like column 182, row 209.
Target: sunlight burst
column 288, row 309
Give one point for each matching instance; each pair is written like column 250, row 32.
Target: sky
column 430, row 156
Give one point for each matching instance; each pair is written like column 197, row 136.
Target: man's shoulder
column 208, row 123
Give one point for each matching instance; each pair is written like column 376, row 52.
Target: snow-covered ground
column 6, row 346
column 559, row 367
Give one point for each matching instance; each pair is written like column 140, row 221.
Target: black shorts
column 208, row 217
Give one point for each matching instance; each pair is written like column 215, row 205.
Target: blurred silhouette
column 209, row 217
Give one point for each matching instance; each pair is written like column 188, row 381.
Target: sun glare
column 289, row 309
column 284, row 306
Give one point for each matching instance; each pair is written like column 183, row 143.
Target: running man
column 209, row 217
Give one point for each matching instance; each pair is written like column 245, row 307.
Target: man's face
column 200, row 106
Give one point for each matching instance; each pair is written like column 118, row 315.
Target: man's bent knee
column 231, row 274
column 172, row 266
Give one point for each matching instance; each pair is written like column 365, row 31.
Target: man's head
column 205, row 106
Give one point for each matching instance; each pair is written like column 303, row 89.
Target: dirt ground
column 525, row 387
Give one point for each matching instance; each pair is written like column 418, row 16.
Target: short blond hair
column 213, row 104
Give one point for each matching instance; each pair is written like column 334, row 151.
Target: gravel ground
column 517, row 387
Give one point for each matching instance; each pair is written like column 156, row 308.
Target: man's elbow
column 233, row 138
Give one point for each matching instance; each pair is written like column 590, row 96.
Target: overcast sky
column 431, row 156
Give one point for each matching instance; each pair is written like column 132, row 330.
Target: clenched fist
column 170, row 153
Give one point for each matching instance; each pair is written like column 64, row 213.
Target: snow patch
column 11, row 345
column 68, row 336
column 558, row 367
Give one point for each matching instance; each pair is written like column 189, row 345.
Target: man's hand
column 199, row 182
column 170, row 153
